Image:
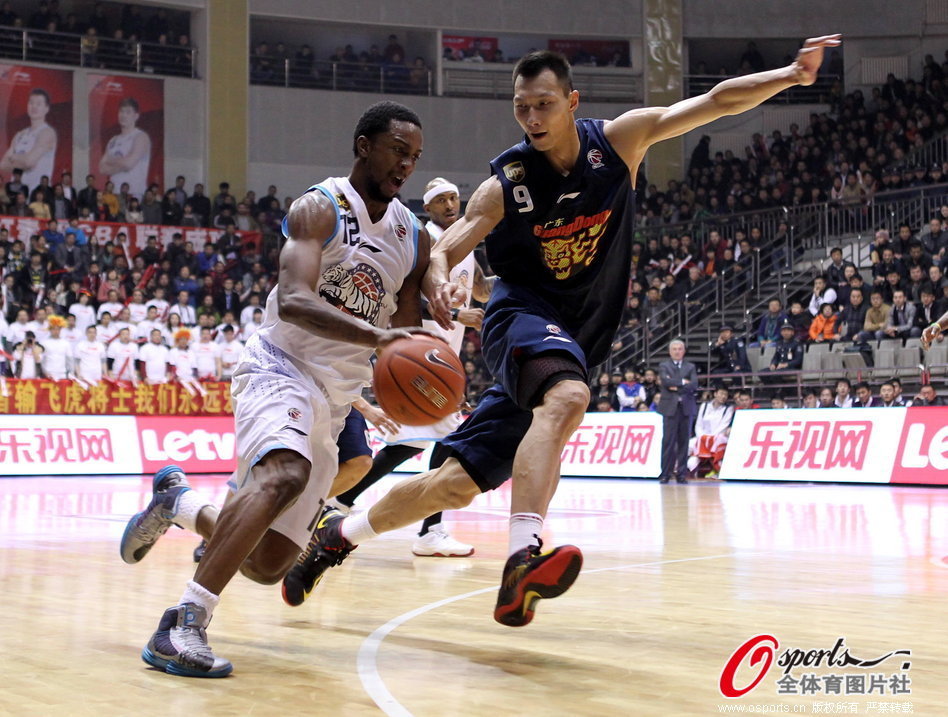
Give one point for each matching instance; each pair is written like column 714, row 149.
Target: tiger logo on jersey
column 358, row 291
column 568, row 248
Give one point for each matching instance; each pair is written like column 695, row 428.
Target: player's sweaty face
column 542, row 109
column 391, row 159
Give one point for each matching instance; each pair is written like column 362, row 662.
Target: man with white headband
column 443, row 206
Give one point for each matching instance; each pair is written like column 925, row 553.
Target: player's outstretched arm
column 484, row 211
column 312, row 221
column 635, row 131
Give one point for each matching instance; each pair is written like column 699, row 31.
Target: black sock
column 429, row 521
column 385, row 461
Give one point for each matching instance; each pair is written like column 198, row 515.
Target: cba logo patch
column 515, row 171
column 553, row 328
column 400, row 231
column 294, row 414
column 594, row 157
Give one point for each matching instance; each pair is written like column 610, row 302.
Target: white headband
column 440, row 189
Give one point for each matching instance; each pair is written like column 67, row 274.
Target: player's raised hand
column 810, row 57
column 930, row 334
column 445, row 297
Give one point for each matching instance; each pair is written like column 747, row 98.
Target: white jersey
column 123, row 360
column 73, row 336
column 113, row 307
column 230, row 354
column 85, row 316
column 89, row 356
column 56, row 358
column 363, row 267
column 155, row 358
column 183, row 362
column 105, row 334
column 23, row 143
column 137, row 312
column 137, row 177
column 205, row 357
column 463, row 274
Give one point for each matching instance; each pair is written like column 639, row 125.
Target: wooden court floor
column 676, row 578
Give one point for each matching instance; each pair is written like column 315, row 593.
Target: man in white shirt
column 183, row 361
column 71, row 333
column 106, row 331
column 154, row 357
column 184, row 309
column 229, row 320
column 136, row 307
column 122, row 354
column 89, row 359
column 57, row 352
column 246, row 314
column 144, row 328
column 207, row 357
column 159, row 303
column 39, row 325
column 712, row 427
column 251, row 328
column 16, row 332
column 83, row 311
column 230, row 353
column 124, row 321
column 821, row 295
column 28, row 357
column 112, row 305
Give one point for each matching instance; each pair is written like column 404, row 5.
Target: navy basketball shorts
column 353, row 440
column 485, row 444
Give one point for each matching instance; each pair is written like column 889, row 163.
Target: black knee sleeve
column 539, row 373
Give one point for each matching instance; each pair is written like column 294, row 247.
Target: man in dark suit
column 679, row 379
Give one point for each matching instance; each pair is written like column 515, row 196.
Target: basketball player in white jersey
column 33, row 148
column 89, row 359
column 128, row 154
column 349, row 279
column 442, row 203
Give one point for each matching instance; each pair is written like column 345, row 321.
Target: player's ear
column 573, row 98
column 363, row 145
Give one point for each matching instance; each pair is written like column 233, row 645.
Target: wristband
column 454, row 314
column 936, row 325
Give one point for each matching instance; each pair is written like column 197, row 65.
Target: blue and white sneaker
column 144, row 529
column 179, row 645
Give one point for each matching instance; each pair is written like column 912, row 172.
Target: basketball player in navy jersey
column 557, row 216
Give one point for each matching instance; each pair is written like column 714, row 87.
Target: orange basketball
column 418, row 381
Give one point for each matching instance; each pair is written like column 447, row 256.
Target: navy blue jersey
column 567, row 239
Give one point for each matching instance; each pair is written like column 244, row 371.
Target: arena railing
column 327, row 75
column 817, row 93
column 493, row 80
column 61, row 48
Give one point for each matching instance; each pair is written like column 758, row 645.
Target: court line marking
column 367, row 658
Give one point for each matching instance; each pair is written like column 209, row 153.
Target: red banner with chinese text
column 32, row 396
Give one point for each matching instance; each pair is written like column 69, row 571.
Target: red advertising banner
column 42, row 396
column 922, row 455
column 23, row 228
column 35, row 123
column 198, row 445
column 126, row 131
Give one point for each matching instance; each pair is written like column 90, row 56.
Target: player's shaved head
column 533, row 63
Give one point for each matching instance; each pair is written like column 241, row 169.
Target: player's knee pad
column 539, row 373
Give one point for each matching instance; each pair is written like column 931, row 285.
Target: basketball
column 418, row 381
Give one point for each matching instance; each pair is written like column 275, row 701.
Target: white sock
column 190, row 504
column 200, row 595
column 525, row 529
column 356, row 528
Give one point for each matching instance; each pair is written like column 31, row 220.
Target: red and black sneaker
column 530, row 575
column 327, row 548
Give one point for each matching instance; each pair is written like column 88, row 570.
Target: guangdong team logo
column 797, row 670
